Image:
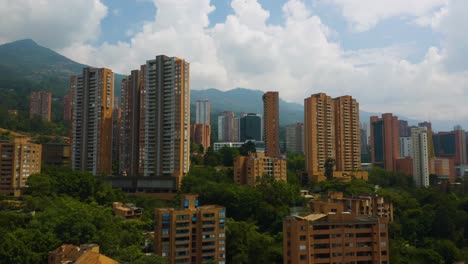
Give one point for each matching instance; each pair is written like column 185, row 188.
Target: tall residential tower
column 40, row 105
column 92, row 121
column 271, row 124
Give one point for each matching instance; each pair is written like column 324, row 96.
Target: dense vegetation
column 61, row 206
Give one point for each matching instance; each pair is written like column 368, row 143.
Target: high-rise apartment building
column 191, row 234
column 67, row 106
column 335, row 238
column 203, row 111
column 443, row 168
column 167, row 118
column 420, row 155
column 403, row 129
column 385, row 141
column 92, row 121
column 251, row 127
column 130, row 125
column 116, row 127
column 319, row 132
column 347, row 134
column 249, row 169
column 406, row 146
column 451, row 145
column 226, row 127
column 364, row 140
column 295, row 138
column 19, row 158
column 201, row 134
column 331, row 128
column 40, row 105
column 271, row 124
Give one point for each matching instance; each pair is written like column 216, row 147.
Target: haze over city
column 407, row 58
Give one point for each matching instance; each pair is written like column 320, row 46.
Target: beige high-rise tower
column 92, row 121
column 347, row 132
column 319, row 132
column 167, row 118
column 271, row 124
column 331, row 130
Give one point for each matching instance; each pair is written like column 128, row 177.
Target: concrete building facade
column 226, row 127
column 406, row 146
column 201, row 134
column 251, row 127
column 385, row 141
column 92, row 121
column 249, row 169
column 451, row 145
column 335, row 238
column 167, row 118
column 191, row 234
column 295, row 138
column 271, row 124
column 420, row 156
column 203, row 112
column 40, row 105
column 19, row 158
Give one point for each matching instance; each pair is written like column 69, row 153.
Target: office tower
column 191, row 234
column 236, row 129
column 203, row 111
column 425, row 124
column 364, row 139
column 40, row 105
column 167, row 118
column 347, row 134
column 403, row 129
column 335, row 238
column 271, row 124
column 250, row 127
column 319, row 132
column 420, row 156
column 201, row 134
column 130, row 127
column 385, row 141
column 451, row 145
column 295, row 138
column 19, row 158
column 406, row 146
column 92, row 121
column 249, row 169
column 226, row 127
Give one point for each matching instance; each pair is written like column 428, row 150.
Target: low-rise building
column 191, row 234
column 335, row 238
column 248, row 169
column 56, row 153
column 83, row 254
column 127, row 210
column 19, row 158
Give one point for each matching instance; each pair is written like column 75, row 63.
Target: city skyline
column 394, row 59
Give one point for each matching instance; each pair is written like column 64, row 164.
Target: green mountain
column 241, row 100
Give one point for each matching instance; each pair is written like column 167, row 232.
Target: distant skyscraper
column 167, row 118
column 451, row 145
column 406, row 146
column 130, row 125
column 40, row 105
column 319, row 132
column 385, row 141
column 331, row 128
column 364, row 143
column 271, row 124
column 347, row 134
column 251, row 127
column 203, row 111
column 201, row 134
column 404, row 129
column 116, row 124
column 295, row 138
column 67, row 106
column 236, row 129
column 92, row 121
column 226, row 127
column 420, row 156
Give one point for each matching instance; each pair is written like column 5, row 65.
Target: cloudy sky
column 404, row 56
